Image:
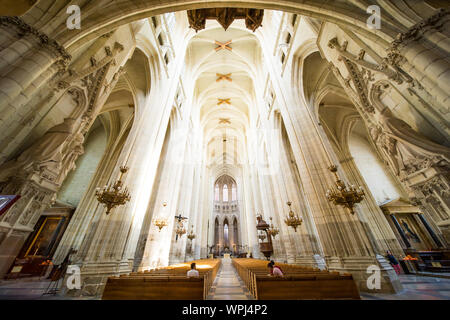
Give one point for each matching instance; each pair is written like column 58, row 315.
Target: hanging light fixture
column 113, row 196
column 272, row 230
column 293, row 220
column 191, row 235
column 180, row 227
column 342, row 195
column 161, row 222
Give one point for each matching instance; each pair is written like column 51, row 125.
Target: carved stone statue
column 74, row 150
column 46, row 152
column 406, row 150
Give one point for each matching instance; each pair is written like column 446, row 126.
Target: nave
column 228, row 285
column 159, row 133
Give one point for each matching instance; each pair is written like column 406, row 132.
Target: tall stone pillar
column 269, row 201
column 250, row 213
column 281, row 197
column 346, row 245
column 305, row 237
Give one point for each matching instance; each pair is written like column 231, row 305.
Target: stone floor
column 228, row 285
column 31, row 289
column 435, row 274
column 416, row 288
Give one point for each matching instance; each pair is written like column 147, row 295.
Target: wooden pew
column 299, row 282
column 154, row 288
column 207, row 275
column 306, row 287
column 169, row 283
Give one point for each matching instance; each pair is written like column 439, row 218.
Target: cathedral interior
column 138, row 136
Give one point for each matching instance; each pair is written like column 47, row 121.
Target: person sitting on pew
column 193, row 272
column 274, row 270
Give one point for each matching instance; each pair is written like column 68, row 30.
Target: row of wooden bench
column 169, row 283
column 298, row 282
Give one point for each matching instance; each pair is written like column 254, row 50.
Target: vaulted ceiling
column 224, row 67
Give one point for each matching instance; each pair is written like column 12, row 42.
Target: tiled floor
column 25, row 290
column 228, row 285
column 435, row 274
column 417, row 288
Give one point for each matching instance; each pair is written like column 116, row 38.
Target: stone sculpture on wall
column 406, row 150
column 412, row 157
column 46, row 153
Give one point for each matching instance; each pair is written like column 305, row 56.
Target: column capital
column 25, row 29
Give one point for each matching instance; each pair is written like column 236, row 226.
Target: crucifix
column 223, row 77
column 179, row 217
column 224, row 101
column 224, row 121
column 223, row 46
column 180, row 225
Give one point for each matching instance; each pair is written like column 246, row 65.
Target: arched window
column 217, row 193
column 233, row 193
column 225, row 193
column 226, row 230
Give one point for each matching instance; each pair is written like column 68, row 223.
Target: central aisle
column 228, row 285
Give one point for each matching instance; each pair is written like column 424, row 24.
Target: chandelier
column 272, row 230
column 113, row 196
column 161, row 222
column 191, row 235
column 293, row 220
column 343, row 195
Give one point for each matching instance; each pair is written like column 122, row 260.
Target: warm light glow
column 180, row 265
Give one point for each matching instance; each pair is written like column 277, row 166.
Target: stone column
column 250, row 213
column 279, row 169
column 186, row 196
column 305, row 235
column 430, row 230
column 221, row 235
column 268, row 194
column 27, row 64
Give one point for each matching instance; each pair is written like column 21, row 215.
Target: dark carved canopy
column 225, row 16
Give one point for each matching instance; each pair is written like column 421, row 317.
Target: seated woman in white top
column 193, row 272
